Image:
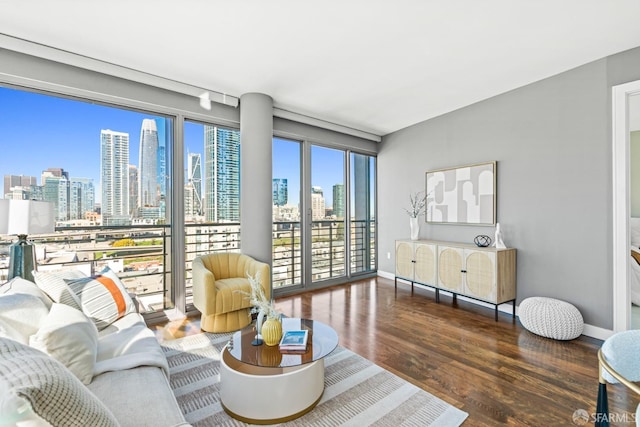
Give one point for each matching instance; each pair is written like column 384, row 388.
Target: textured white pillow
column 53, row 284
column 21, row 315
column 53, row 392
column 71, row 338
column 103, row 297
column 18, row 285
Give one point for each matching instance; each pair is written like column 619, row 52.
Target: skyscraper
column 148, row 188
column 222, row 174
column 133, row 190
column 114, row 177
column 81, row 197
column 162, row 127
column 57, row 189
column 194, row 177
column 317, row 203
column 280, row 191
column 338, row 200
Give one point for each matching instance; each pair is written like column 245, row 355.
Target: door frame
column 621, row 208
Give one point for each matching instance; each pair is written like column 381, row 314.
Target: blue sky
column 38, row 132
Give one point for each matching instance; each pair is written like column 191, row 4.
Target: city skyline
column 65, row 133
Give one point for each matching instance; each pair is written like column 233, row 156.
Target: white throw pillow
column 18, row 285
column 53, row 284
column 51, row 390
column 21, row 316
column 71, row 338
column 103, row 297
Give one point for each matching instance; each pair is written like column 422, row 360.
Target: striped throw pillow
column 53, row 284
column 50, row 389
column 103, row 297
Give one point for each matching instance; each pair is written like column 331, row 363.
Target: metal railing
column 141, row 255
column 328, row 250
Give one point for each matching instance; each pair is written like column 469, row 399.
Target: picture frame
column 462, row 195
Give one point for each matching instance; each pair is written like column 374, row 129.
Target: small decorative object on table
column 482, row 241
column 417, row 202
column 270, row 329
column 294, row 340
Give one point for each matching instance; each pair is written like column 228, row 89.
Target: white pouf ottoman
column 551, row 318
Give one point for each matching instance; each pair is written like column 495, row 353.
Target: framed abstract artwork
column 462, row 195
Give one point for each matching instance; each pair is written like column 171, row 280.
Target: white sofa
column 66, row 359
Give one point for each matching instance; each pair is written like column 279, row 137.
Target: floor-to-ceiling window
column 211, row 191
column 328, row 219
column 106, row 171
column 287, row 249
column 363, row 213
column 324, row 225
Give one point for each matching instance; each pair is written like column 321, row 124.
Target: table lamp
column 24, row 217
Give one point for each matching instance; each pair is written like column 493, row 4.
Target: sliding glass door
column 327, row 226
column 323, row 215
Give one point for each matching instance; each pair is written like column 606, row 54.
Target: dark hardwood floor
column 498, row 372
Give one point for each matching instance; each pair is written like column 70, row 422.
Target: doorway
column 626, row 108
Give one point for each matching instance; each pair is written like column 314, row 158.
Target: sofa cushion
column 21, row 316
column 71, row 338
column 51, row 390
column 128, row 345
column 53, row 284
column 103, row 297
column 133, row 385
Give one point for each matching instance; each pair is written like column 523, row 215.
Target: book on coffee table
column 294, row 340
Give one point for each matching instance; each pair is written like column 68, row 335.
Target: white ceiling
column 374, row 65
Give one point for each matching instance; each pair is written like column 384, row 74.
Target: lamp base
column 22, row 256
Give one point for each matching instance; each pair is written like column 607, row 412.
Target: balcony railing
column 327, row 250
column 141, row 255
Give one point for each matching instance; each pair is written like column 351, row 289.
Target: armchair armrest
column 203, row 287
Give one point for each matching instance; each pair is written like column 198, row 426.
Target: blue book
column 294, row 340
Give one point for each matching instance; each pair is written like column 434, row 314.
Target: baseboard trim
column 589, row 330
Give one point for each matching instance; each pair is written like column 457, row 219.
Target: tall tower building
column 114, row 177
column 148, row 188
column 338, row 200
column 162, row 127
column 81, row 197
column 222, row 174
column 280, row 191
column 56, row 189
column 133, row 191
column 194, row 177
column 317, row 203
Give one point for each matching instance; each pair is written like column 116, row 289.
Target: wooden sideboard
column 485, row 274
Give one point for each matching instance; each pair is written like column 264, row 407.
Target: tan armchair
column 216, row 278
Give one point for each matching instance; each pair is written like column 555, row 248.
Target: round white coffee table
column 262, row 385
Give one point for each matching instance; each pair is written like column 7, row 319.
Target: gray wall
column 552, row 141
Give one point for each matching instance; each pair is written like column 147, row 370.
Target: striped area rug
column 357, row 392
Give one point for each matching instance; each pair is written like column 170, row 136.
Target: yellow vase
column 272, row 331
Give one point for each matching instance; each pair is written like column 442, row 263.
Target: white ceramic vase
column 414, row 225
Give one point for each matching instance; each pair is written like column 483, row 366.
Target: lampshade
column 26, row 217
